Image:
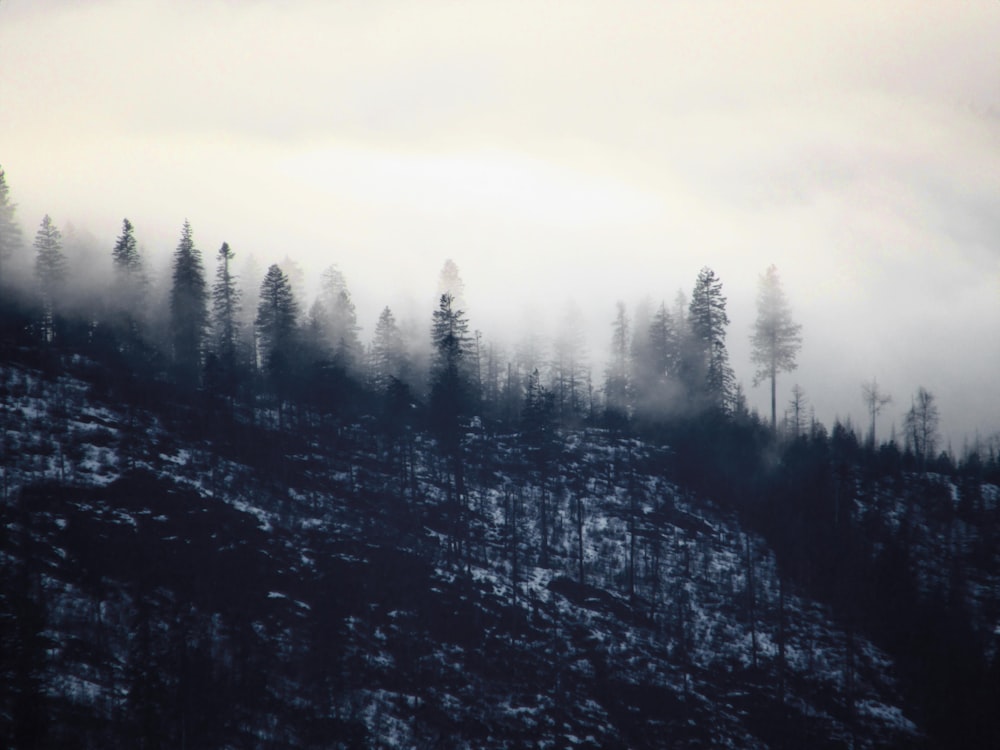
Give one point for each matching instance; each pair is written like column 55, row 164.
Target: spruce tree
column 449, row 381
column 708, row 373
column 188, row 308
column 130, row 283
column 276, row 315
column 10, row 230
column 776, row 338
column 340, row 319
column 387, row 355
column 125, row 254
column 50, row 271
column 226, row 306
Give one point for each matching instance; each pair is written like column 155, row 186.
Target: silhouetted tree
column 707, row 371
column 388, row 355
column 50, row 271
column 276, row 314
column 130, row 286
column 10, row 230
column 776, row 338
column 797, row 407
column 226, row 306
column 188, row 308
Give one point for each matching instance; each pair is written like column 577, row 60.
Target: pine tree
column 340, row 319
column 656, row 365
column 776, row 338
column 387, row 355
column 276, row 315
column 708, row 373
column 130, row 283
column 449, row 380
column 50, row 271
column 125, row 254
column 50, row 263
column 10, row 230
column 188, row 308
column 226, row 307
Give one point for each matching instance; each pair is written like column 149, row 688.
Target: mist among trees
column 438, row 426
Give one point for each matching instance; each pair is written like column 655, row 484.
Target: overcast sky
column 585, row 150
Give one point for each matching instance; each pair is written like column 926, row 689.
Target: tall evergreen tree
column 339, row 319
column 656, row 365
column 50, row 263
column 188, row 308
column 226, row 307
column 276, row 315
column 10, row 230
column 449, row 376
column 708, row 372
column 387, row 354
column 776, row 337
column 50, row 271
column 130, row 283
column 125, row 254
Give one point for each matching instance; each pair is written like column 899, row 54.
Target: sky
column 556, row 151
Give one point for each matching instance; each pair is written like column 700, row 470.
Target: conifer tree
column 226, row 307
column 276, row 315
column 50, row 271
column 130, row 282
column 707, row 362
column 339, row 319
column 188, row 308
column 776, row 338
column 387, row 355
column 125, row 254
column 10, row 231
column 449, row 381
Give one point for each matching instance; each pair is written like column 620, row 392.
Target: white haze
column 589, row 150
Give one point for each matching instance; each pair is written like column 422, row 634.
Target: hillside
column 172, row 583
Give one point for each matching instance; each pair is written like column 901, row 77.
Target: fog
column 590, row 151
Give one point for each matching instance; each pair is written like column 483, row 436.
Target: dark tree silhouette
column 387, row 354
column 188, row 309
column 276, row 314
column 707, row 369
column 10, row 230
column 50, row 271
column 226, row 308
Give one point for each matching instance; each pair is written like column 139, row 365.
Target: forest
column 229, row 521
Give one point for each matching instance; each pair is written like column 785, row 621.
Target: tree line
column 245, row 341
